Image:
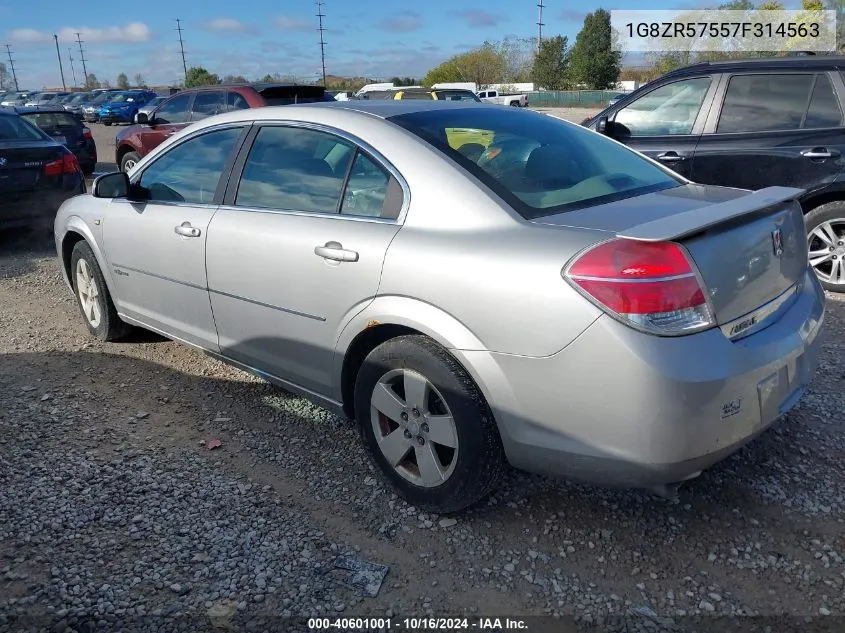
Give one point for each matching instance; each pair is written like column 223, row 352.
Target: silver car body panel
column 574, row 391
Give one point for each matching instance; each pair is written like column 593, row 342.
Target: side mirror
column 143, row 119
column 601, row 125
column 113, row 185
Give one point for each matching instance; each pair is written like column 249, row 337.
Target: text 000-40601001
column 699, row 30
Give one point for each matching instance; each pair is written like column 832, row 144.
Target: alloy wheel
column 414, row 428
column 89, row 294
column 827, row 251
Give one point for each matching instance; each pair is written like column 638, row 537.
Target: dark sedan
column 67, row 129
column 37, row 174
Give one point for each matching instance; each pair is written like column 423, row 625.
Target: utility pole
column 59, row 55
column 82, row 57
column 320, row 16
column 540, row 23
column 182, row 47
column 12, row 66
column 72, row 69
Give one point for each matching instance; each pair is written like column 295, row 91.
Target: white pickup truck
column 515, row 99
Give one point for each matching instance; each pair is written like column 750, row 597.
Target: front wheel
column 826, row 244
column 427, row 426
column 129, row 160
column 93, row 296
column 515, row 104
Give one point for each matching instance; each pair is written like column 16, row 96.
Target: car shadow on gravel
column 18, row 247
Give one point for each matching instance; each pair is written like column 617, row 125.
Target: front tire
column 427, row 426
column 514, row 104
column 92, row 296
column 826, row 244
column 129, row 160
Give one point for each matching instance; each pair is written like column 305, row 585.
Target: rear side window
column 824, row 110
column 13, row 128
column 52, row 120
column 773, row 102
column 208, row 104
column 234, row 101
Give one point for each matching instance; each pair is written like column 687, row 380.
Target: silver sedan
column 474, row 285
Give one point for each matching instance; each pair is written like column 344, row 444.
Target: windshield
column 127, row 97
column 51, row 120
column 106, row 96
column 14, row 128
column 79, row 98
column 538, row 164
column 457, row 95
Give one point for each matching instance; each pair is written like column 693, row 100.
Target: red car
column 187, row 106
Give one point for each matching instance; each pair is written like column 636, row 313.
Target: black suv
column 751, row 124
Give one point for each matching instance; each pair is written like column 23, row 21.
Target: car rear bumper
column 621, row 408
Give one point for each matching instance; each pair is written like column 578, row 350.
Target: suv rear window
column 287, row 95
column 538, row 164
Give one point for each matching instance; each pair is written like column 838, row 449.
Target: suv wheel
column 129, row 160
column 826, row 243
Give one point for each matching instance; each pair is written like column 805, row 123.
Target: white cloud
column 226, row 24
column 133, row 32
column 293, row 24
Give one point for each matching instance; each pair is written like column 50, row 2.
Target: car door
column 297, row 248
column 156, row 246
column 170, row 117
column 774, row 128
column 665, row 123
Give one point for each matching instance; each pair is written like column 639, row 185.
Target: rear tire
column 128, row 161
column 826, row 243
column 92, row 296
column 515, row 104
column 107, row 123
column 440, row 450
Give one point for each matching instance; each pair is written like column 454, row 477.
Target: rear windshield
column 457, row 95
column 287, row 95
column 539, row 164
column 51, row 120
column 14, row 128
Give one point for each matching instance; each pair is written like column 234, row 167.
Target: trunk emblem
column 777, row 242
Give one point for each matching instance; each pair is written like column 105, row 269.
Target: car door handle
column 335, row 252
column 820, row 152
column 670, row 157
column 186, row 230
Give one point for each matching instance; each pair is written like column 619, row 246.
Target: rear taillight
column 86, row 134
column 652, row 286
column 65, row 165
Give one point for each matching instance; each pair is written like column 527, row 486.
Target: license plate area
column 781, row 390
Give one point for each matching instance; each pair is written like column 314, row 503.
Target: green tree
column 551, row 64
column 446, row 72
column 199, row 76
column 592, row 61
column 91, row 81
column 483, row 65
column 122, row 81
column 235, row 79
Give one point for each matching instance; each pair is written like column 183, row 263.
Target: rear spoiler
column 702, row 218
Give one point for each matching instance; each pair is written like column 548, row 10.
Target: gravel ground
column 114, row 512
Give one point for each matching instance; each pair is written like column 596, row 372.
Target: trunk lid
column 750, row 247
column 22, row 165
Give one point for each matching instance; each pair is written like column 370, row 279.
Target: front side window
column 173, row 111
column 765, row 103
column 294, row 169
column 208, row 104
column 190, row 171
column 538, row 164
column 668, row 110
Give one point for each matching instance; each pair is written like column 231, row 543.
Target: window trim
column 222, row 181
column 701, row 119
column 719, row 101
column 359, row 146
